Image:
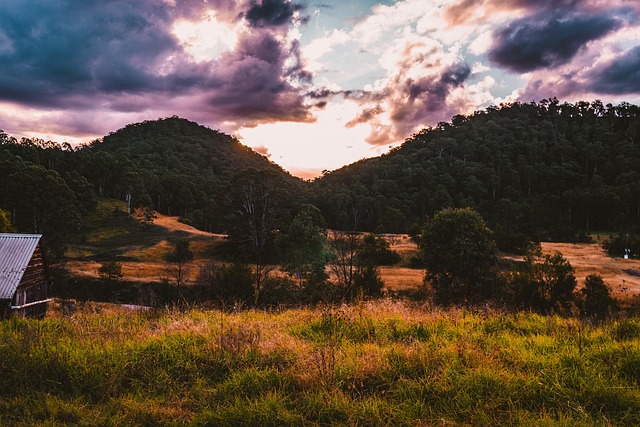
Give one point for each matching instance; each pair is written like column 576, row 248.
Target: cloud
column 365, row 116
column 124, row 56
column 423, row 100
column 250, row 84
column 620, row 76
column 461, row 12
column 270, row 13
column 538, row 41
column 261, row 149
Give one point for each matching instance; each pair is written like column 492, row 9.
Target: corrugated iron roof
column 15, row 252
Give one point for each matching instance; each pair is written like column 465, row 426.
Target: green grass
column 382, row 363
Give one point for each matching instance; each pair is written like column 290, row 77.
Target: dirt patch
column 171, row 223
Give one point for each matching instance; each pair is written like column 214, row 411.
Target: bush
column 377, row 251
column 596, row 299
column 544, row 286
column 227, row 284
column 318, row 292
column 615, row 246
column 279, row 291
column 110, row 270
column 368, row 282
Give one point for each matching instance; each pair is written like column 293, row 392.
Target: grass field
column 380, row 363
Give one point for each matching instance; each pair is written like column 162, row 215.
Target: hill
column 540, row 171
column 171, row 165
column 543, row 170
column 175, row 166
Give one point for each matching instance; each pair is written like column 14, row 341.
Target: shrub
column 110, row 270
column 615, row 246
column 279, row 291
column 377, row 251
column 227, row 284
column 596, row 299
column 544, row 286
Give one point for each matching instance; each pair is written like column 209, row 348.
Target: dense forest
column 546, row 170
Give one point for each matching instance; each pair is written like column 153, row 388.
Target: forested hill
column 171, row 165
column 547, row 169
column 180, row 166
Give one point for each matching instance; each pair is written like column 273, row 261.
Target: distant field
column 142, row 253
column 622, row 275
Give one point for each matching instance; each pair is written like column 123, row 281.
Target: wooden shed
column 23, row 283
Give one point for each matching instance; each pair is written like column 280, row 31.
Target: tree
column 256, row 203
column 178, row 266
column 5, row 222
column 43, row 203
column 355, row 272
column 303, row 247
column 460, row 257
column 596, row 298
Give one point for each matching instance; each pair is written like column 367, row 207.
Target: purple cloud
column 418, row 101
column 121, row 55
column 539, row 41
column 620, row 76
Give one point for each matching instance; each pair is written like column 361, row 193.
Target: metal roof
column 15, row 253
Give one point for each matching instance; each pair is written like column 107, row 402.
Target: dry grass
column 592, row 259
column 171, row 223
column 401, row 278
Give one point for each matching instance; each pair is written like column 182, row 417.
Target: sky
column 313, row 85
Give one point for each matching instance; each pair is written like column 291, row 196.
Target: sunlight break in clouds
column 205, row 40
column 313, row 85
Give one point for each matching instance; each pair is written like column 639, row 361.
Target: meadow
column 371, row 363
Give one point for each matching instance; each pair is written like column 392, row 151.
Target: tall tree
column 460, row 257
column 256, row 202
column 302, row 246
column 179, row 264
column 43, row 203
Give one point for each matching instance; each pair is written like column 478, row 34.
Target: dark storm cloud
column 56, row 49
column 122, row 53
column 620, row 76
column 539, row 41
column 251, row 84
column 268, row 13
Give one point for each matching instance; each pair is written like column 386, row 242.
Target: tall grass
column 382, row 363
